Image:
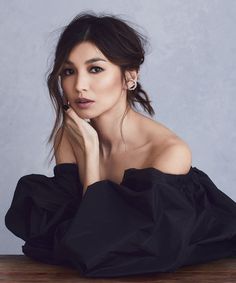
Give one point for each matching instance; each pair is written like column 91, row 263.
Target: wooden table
column 19, row 268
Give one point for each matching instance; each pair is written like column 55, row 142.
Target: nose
column 81, row 82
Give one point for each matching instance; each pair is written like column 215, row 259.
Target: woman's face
column 99, row 80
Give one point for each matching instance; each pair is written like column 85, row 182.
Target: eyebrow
column 92, row 60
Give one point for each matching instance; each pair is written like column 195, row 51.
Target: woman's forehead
column 85, row 53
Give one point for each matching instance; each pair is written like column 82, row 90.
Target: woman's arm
column 63, row 150
column 92, row 172
column 67, row 153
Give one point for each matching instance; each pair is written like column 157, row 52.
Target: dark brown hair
column 116, row 39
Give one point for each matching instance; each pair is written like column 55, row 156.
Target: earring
column 134, row 85
column 68, row 103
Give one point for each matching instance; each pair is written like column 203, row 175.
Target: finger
column 72, row 114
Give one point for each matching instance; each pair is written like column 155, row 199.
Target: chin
column 86, row 117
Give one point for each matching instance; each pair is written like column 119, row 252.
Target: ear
column 131, row 75
column 134, row 75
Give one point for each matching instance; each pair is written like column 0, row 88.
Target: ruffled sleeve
column 151, row 222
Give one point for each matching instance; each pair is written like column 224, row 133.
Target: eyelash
column 64, row 70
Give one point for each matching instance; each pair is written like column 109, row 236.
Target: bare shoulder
column 169, row 153
column 174, row 159
column 63, row 150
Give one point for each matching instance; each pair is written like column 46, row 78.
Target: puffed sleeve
column 41, row 203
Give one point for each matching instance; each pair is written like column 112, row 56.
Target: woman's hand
column 83, row 137
column 80, row 133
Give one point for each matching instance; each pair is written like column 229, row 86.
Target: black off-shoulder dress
column 151, row 222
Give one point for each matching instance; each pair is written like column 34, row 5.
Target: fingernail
column 65, row 107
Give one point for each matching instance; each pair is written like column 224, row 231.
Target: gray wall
column 189, row 74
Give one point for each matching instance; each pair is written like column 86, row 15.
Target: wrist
column 92, row 148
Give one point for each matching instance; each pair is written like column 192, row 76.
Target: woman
column 124, row 198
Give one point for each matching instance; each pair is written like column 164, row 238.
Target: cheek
column 66, row 86
column 108, row 86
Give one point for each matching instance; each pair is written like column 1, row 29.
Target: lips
column 83, row 100
column 85, row 105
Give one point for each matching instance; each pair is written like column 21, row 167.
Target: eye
column 96, row 67
column 64, row 71
column 67, row 71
